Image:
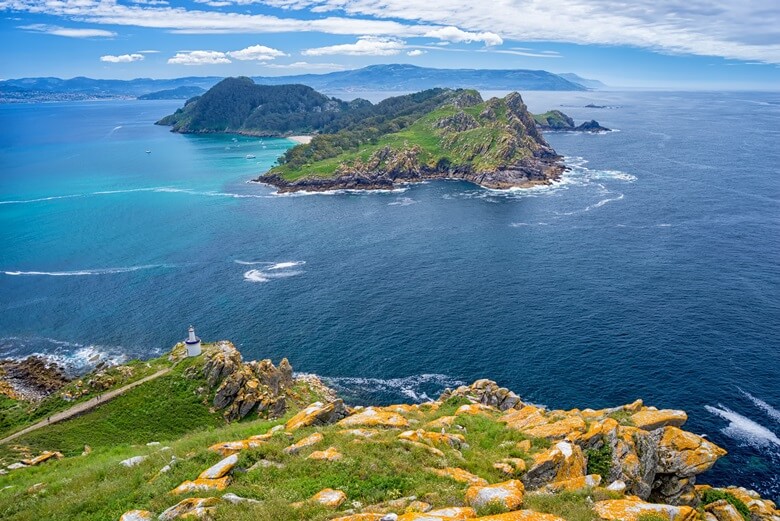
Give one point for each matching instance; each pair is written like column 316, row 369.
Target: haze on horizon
column 644, row 44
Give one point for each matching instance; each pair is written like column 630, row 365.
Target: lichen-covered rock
column 230, row 447
column 631, row 509
column 318, row 413
column 474, row 409
column 308, row 441
column 329, row 454
column 508, row 494
column 201, row 485
column 685, row 454
column 524, row 418
column 650, row 418
column 360, row 433
column 510, row 466
column 557, row 430
column 454, row 513
column 723, row 511
column 589, row 481
column 329, row 497
column 137, row 515
column 561, row 462
column 361, row 517
column 43, row 456
column 459, row 475
column 760, row 509
column 434, row 438
column 194, row 507
column 485, row 392
column 220, row 469
column 634, row 458
column 223, row 361
column 442, row 422
column 132, row 462
column 372, row 417
column 520, row 515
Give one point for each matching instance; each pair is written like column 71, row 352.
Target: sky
column 688, row 44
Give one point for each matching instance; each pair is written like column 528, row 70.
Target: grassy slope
column 15, row 415
column 96, row 487
column 423, row 134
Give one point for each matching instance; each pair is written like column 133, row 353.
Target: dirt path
column 85, row 406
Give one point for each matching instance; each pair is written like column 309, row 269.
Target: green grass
column 482, row 148
column 599, row 461
column 712, row 495
column 17, row 414
column 572, row 506
column 161, row 409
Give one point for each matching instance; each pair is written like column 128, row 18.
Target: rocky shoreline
column 31, row 379
column 534, row 171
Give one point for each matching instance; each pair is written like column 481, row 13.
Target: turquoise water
column 651, row 271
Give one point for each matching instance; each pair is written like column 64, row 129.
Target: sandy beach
column 301, row 139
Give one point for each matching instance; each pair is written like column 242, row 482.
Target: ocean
column 651, row 270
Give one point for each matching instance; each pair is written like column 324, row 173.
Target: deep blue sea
column 651, row 270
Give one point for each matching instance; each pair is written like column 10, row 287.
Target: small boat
column 148, row 151
column 250, row 156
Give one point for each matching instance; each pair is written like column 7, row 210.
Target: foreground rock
column 32, row 378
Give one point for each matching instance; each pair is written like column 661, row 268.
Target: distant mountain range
column 398, row 78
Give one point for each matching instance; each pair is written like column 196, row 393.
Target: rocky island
column 216, row 437
column 433, row 134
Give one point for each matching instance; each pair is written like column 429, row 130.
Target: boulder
column 485, row 392
column 201, row 485
column 441, row 423
column 434, row 438
column 685, row 454
column 474, row 409
column 132, row 462
column 454, row 513
column 137, row 515
column 631, row 509
column 329, row 497
column 318, row 414
column 651, row 418
column 589, row 481
column 308, row 441
column 634, row 458
column 459, row 475
column 361, row 517
column 520, row 515
column 524, row 418
column 508, row 494
column 510, row 466
column 329, row 454
column 237, row 500
column 723, row 511
column 220, row 469
column 44, row 456
column 195, row 507
column 230, row 447
column 556, row 430
column 561, row 462
column 373, row 417
column 360, row 433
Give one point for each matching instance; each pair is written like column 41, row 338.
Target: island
column 183, row 92
column 433, row 134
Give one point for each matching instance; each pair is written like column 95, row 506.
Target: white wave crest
column 279, row 270
column 403, row 201
column 80, row 273
column 761, row 404
column 41, row 199
column 154, row 189
column 744, row 429
column 74, row 358
column 414, row 387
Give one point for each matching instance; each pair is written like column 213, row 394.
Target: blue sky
column 643, row 43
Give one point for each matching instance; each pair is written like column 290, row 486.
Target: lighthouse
column 192, row 343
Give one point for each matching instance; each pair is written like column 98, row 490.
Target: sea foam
column 744, row 429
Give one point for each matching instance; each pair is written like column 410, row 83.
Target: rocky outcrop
column 557, row 121
column 318, row 413
column 508, row 495
column 32, row 378
column 486, row 392
column 246, row 387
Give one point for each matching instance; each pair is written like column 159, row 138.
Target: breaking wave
column 278, row 270
column 80, row 273
column 75, row 359
column 418, row 388
column 744, row 429
column 156, row 189
column 761, row 404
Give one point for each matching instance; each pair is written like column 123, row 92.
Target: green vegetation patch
column 712, row 495
column 599, row 461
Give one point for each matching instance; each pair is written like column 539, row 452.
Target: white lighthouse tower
column 192, row 343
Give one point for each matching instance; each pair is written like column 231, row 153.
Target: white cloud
column 69, row 32
column 737, row 30
column 455, row 35
column 365, row 46
column 415, row 52
column 256, row 52
column 308, row 66
column 122, row 58
column 150, row 51
column 199, row 58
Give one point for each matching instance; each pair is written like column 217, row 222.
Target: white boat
column 250, row 156
column 148, row 151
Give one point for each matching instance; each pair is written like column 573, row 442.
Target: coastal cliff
column 293, row 450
